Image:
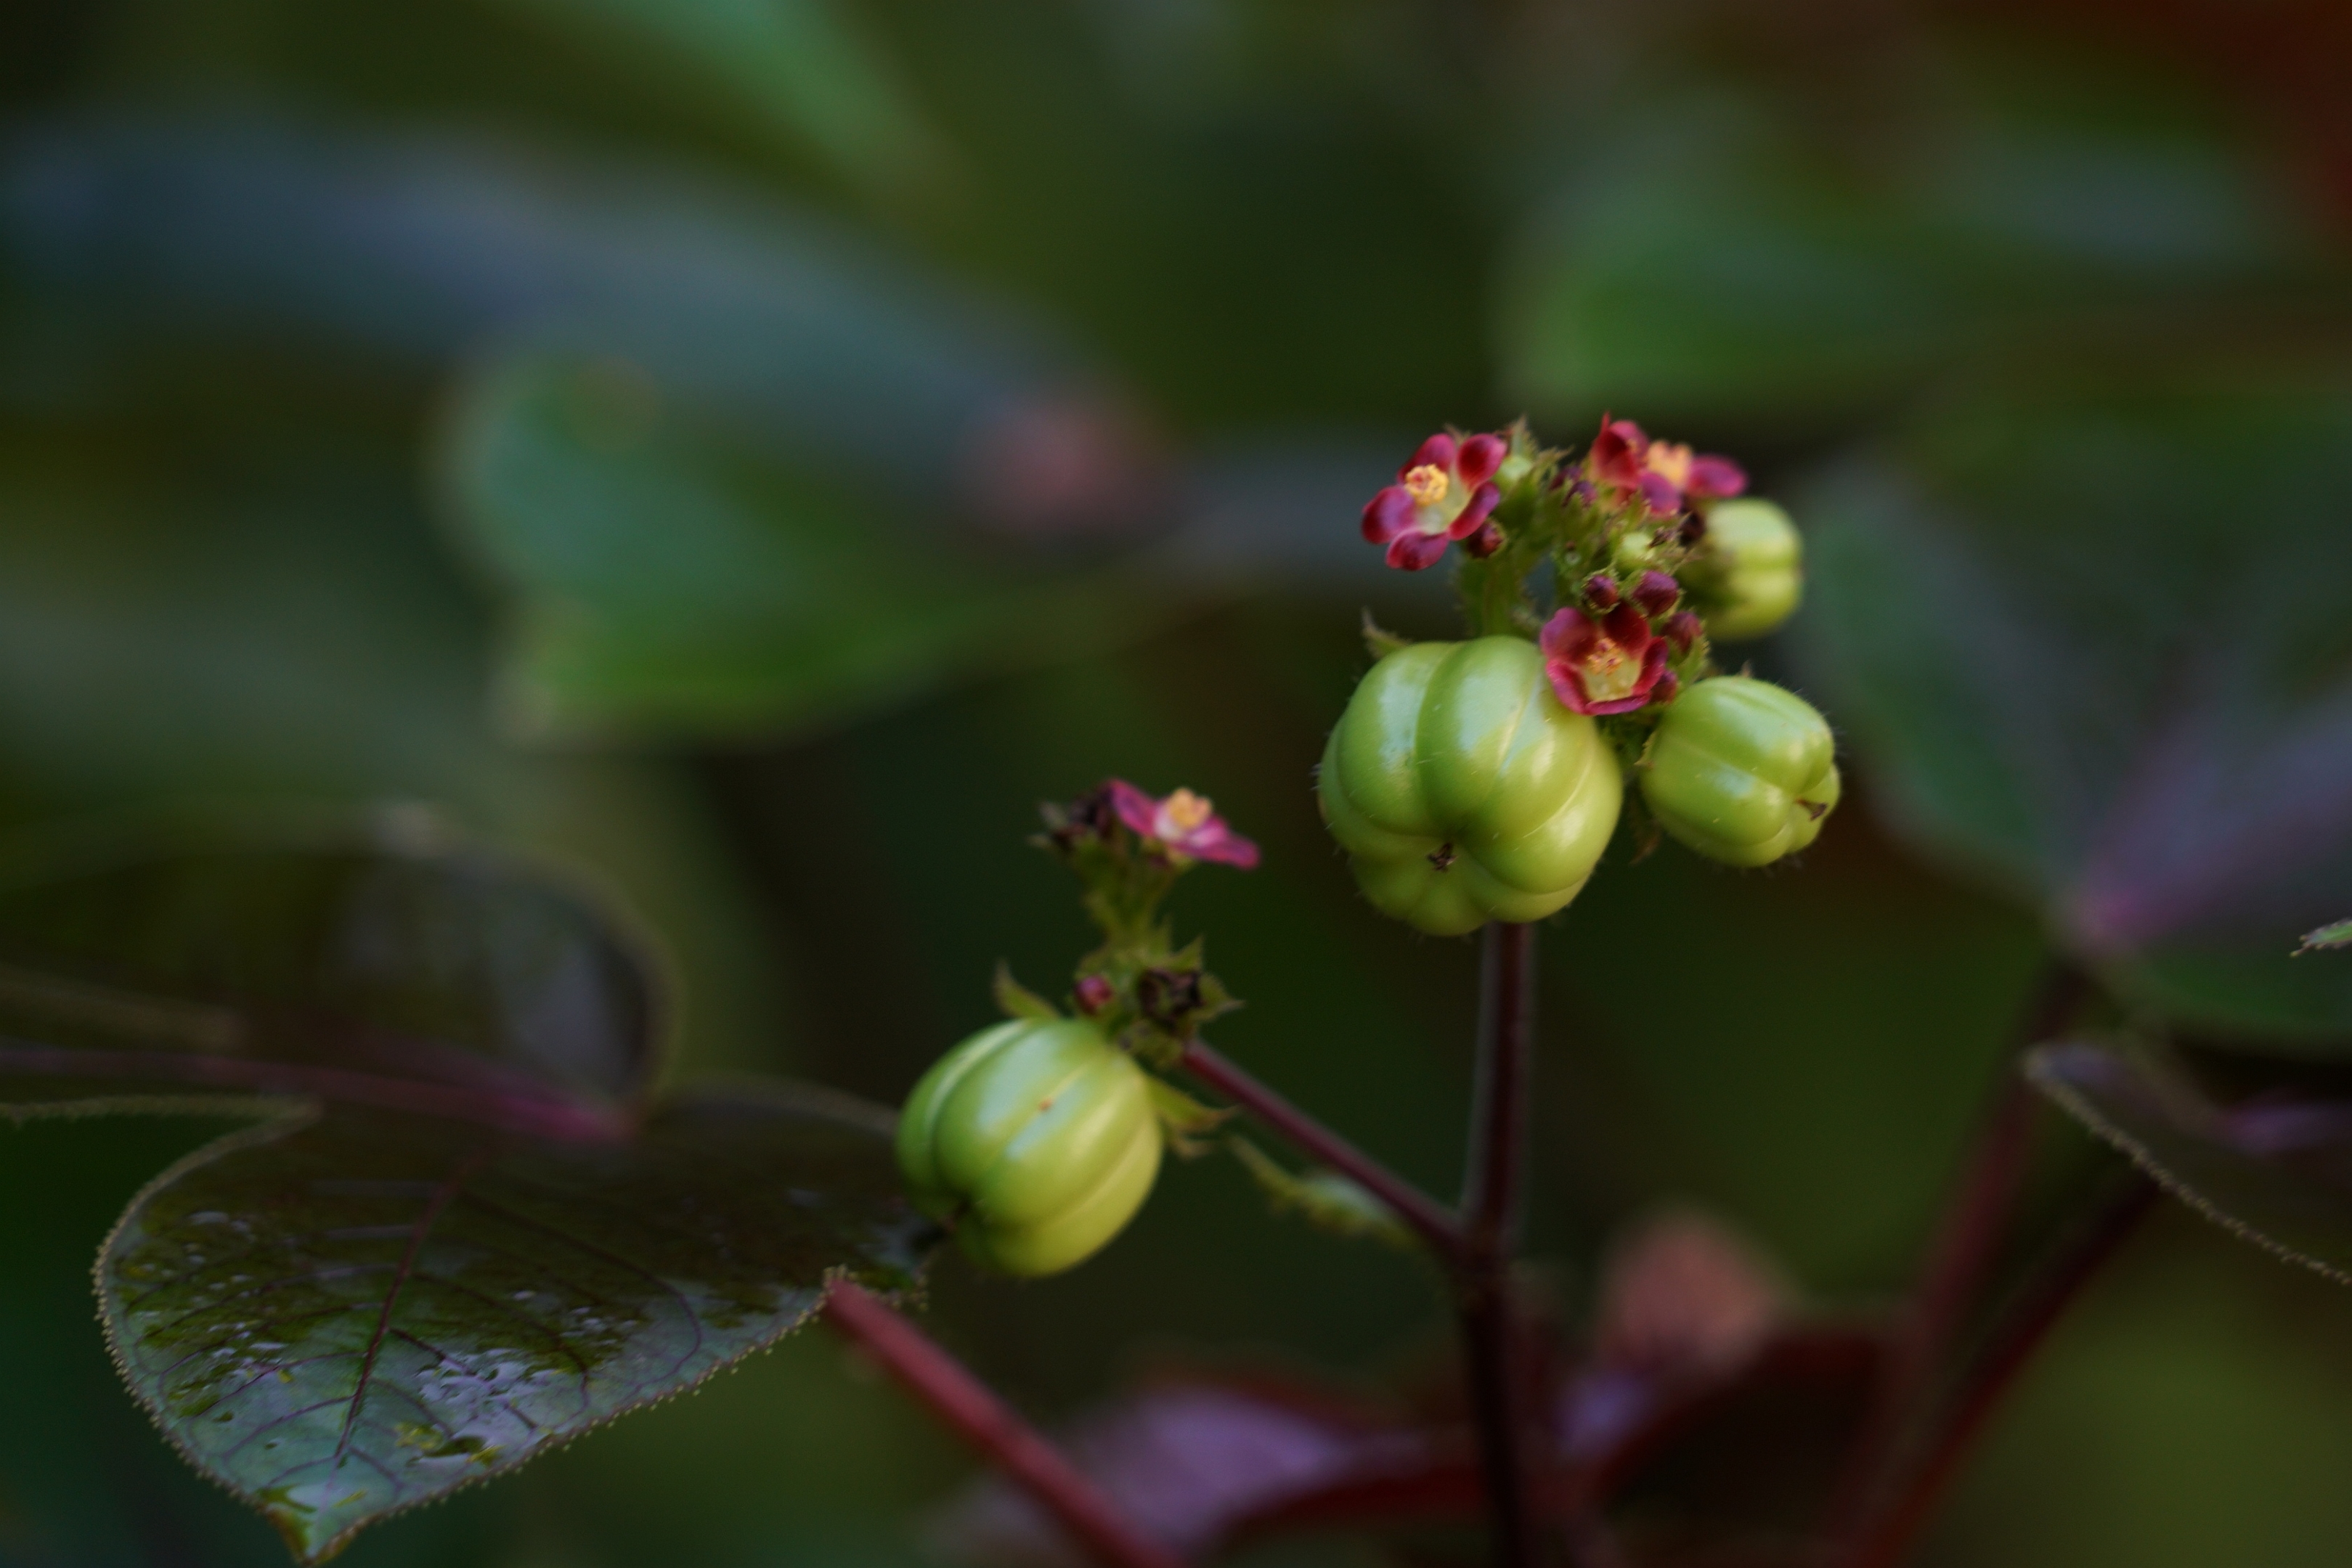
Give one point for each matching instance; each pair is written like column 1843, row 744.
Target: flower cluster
column 1128, row 848
column 1623, row 527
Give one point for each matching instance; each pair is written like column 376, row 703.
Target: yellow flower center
column 1672, row 461
column 1426, row 485
column 1184, row 811
column 1610, row 671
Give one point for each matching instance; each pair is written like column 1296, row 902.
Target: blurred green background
column 759, row 448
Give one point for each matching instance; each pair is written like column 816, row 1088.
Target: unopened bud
column 1600, row 591
column 1669, row 684
column 1168, row 998
column 1484, row 542
column 1692, row 531
column 1682, row 628
column 1656, row 592
column 1087, row 818
column 1092, row 993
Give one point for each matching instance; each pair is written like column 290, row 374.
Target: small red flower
column 1443, row 494
column 1666, row 473
column 1183, row 824
column 1610, row 666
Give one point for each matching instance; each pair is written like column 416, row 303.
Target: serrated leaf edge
column 2073, row 1104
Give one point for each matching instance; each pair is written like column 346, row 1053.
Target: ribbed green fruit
column 1463, row 791
column 1038, row 1142
column 1751, row 575
column 1741, row 770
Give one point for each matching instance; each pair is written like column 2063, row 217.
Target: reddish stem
column 992, row 1426
column 1490, row 1202
column 1888, row 1539
column 1430, row 1219
column 1966, row 1246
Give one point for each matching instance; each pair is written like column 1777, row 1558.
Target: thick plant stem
column 1490, row 1206
column 1959, row 1259
column 1017, row 1448
column 1430, row 1219
column 1887, row 1537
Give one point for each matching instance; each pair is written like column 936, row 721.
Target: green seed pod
column 1463, row 791
column 1741, row 770
column 1037, row 1141
column 1751, row 573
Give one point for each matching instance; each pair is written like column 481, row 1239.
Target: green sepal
column 2337, row 935
column 1183, row 1118
column 1324, row 1199
column 1379, row 641
column 1016, row 1000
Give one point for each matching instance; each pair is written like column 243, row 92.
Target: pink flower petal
column 1617, row 453
column 1438, row 452
column 1416, row 552
column 1388, row 514
column 1713, row 477
column 1661, row 494
column 1480, row 456
column 1216, row 842
column 1482, row 501
column 1629, row 629
column 1136, row 809
column 1566, row 634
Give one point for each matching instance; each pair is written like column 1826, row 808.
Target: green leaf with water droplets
column 342, row 1318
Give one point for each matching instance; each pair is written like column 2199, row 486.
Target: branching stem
column 1430, row 1219
column 992, row 1426
column 1476, row 1244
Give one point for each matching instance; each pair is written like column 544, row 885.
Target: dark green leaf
column 424, row 250
column 404, row 972
column 2276, row 1167
column 342, row 1318
column 1720, row 256
column 668, row 579
column 784, row 66
column 2075, row 666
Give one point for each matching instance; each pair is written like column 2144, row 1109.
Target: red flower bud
column 1682, row 628
column 1656, row 593
column 1663, row 692
column 1601, row 592
column 1484, row 541
column 1092, row 993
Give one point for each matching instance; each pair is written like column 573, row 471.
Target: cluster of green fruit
column 1469, row 782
